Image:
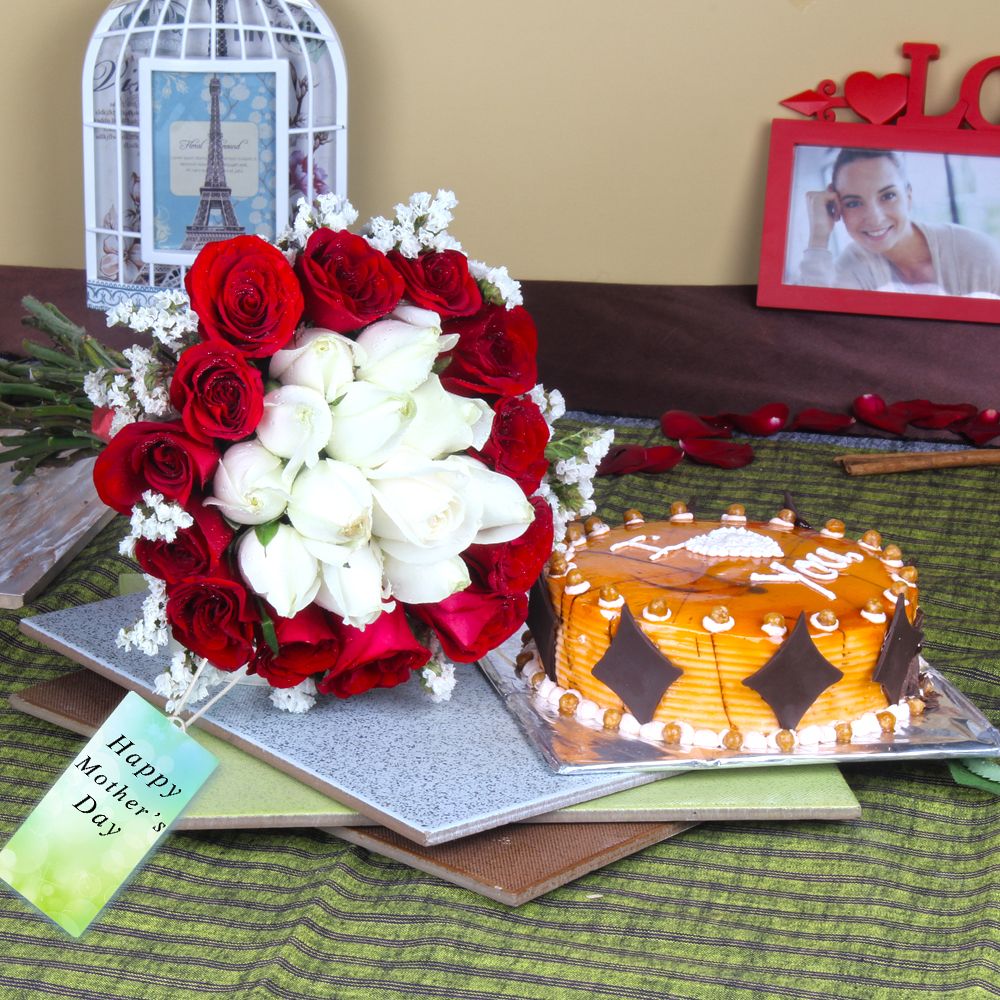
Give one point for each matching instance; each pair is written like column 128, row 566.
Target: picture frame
column 192, row 194
column 947, row 183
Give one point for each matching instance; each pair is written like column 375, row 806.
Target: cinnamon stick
column 881, row 463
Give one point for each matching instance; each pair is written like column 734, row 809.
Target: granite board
column 82, row 700
column 433, row 772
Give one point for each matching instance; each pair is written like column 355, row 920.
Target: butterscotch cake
column 728, row 633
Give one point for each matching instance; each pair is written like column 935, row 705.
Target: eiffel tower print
column 215, row 218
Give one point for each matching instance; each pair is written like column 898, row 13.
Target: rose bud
column 296, row 425
column 316, row 359
column 398, row 352
column 347, row 284
column 245, row 294
column 332, row 502
column 445, row 423
column 248, row 486
column 367, row 424
column 284, row 572
column 354, row 586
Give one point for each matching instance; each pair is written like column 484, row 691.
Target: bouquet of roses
column 333, row 456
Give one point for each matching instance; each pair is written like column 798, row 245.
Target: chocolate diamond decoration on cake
column 897, row 666
column 794, row 677
column 635, row 669
column 542, row 623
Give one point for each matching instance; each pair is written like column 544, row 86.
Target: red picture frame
column 794, row 143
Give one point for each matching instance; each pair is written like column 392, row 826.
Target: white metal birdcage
column 186, row 136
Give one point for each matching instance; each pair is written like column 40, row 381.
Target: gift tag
column 104, row 814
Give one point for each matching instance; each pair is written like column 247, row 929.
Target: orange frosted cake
column 727, row 634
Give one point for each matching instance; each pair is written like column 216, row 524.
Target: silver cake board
column 951, row 727
column 432, row 772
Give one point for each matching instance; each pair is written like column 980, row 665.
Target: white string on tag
column 175, row 716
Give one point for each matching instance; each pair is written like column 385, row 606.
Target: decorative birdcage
column 203, row 119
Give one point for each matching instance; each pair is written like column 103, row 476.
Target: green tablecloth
column 900, row 903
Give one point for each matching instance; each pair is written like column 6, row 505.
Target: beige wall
column 585, row 139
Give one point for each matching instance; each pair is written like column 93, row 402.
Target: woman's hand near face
column 824, row 212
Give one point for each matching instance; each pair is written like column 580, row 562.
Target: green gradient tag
column 104, row 814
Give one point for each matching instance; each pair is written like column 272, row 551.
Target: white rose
column 398, row 352
column 446, row 423
column 317, row 359
column 367, row 424
column 248, row 487
column 295, row 425
column 356, row 588
column 332, row 502
column 283, row 572
column 419, row 583
column 506, row 511
column 425, row 511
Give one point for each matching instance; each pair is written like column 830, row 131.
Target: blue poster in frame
column 214, row 153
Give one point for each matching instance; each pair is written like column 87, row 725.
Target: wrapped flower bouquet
column 335, row 457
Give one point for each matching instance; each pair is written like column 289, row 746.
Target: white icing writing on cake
column 720, row 543
column 819, row 565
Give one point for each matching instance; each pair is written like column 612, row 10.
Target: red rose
column 512, row 567
column 213, row 616
column 516, row 445
column 495, row 354
column 152, row 456
column 473, row 621
column 440, row 281
column 218, row 394
column 308, row 644
column 347, row 283
column 245, row 294
column 384, row 654
column 196, row 551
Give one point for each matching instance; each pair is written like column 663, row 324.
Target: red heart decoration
column 876, row 98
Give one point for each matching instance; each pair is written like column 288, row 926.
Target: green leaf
column 265, row 532
column 267, row 628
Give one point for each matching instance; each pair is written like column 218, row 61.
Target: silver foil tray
column 953, row 727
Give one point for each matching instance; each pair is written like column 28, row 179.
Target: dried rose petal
column 764, row 421
column 625, row 458
column 724, row 454
column 981, row 428
column 682, row 423
column 722, row 421
column 821, row 421
column 941, row 415
column 872, row 410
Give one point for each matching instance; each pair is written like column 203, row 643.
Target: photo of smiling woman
column 892, row 222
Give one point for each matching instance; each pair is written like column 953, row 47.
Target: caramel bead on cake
column 732, row 634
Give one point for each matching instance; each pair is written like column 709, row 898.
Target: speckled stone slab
column 82, row 700
column 44, row 522
column 432, row 772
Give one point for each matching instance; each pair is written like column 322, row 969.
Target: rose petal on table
column 821, row 421
column 724, row 454
column 683, row 424
column 721, row 421
column 626, row 458
column 872, row 410
column 764, row 421
column 981, row 428
column 938, row 416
